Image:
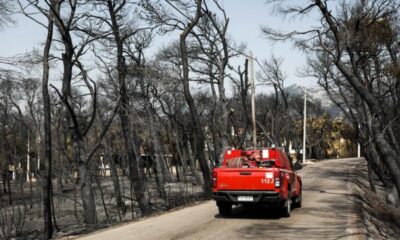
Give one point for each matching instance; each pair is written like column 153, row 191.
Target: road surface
column 328, row 212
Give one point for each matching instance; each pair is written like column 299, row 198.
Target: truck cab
column 256, row 176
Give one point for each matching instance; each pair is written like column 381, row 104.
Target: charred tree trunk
column 133, row 156
column 159, row 163
column 47, row 210
column 115, row 179
column 71, row 119
column 85, row 182
column 159, row 157
column 198, row 130
column 178, row 147
column 243, row 88
column 224, row 111
column 191, row 160
column 130, row 138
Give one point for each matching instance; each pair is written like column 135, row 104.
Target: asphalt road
column 328, row 212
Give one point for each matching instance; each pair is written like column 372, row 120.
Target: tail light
column 278, row 179
column 214, row 179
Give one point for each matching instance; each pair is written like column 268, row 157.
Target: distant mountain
column 316, row 94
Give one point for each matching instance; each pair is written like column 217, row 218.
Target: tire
column 224, row 208
column 298, row 200
column 286, row 208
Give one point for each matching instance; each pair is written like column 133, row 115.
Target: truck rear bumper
column 267, row 197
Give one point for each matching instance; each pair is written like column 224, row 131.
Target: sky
column 246, row 19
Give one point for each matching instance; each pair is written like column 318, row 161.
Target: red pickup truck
column 258, row 176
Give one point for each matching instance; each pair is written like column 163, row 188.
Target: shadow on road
column 276, row 230
column 253, row 212
column 315, row 222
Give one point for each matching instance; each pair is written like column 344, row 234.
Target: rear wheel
column 224, row 208
column 286, row 208
column 298, row 200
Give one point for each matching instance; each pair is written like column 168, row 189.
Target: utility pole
column 253, row 98
column 304, row 125
column 28, row 161
column 38, row 158
column 358, row 145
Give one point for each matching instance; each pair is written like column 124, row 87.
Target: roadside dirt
column 23, row 219
column 380, row 220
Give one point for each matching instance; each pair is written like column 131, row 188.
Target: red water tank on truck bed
column 258, row 176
